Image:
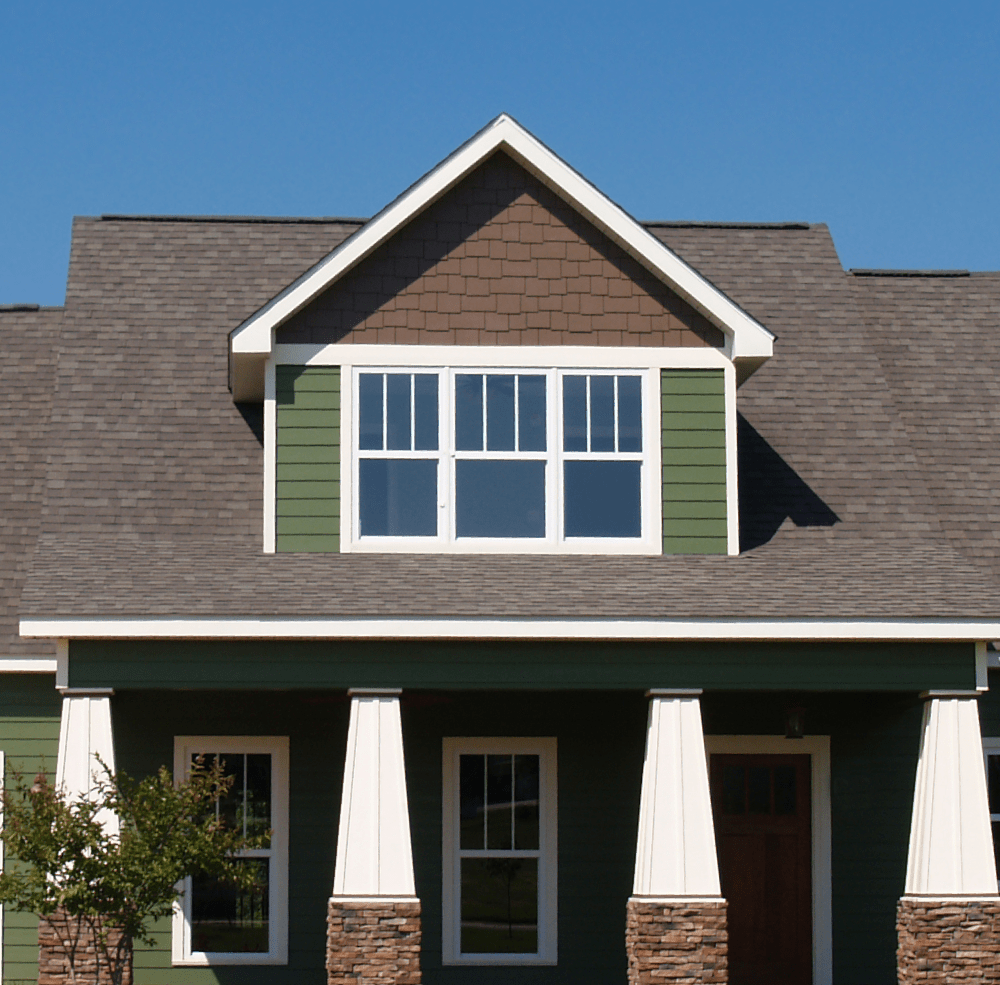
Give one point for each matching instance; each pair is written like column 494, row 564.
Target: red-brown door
column 762, row 829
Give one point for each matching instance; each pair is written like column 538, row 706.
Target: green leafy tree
column 107, row 887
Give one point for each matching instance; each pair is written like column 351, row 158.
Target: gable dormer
column 502, row 361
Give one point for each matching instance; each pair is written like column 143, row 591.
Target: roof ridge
column 698, row 224
column 874, row 272
column 309, row 220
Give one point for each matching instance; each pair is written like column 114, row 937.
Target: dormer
column 502, row 360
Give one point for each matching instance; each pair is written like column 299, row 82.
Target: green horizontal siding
column 693, row 408
column 307, row 495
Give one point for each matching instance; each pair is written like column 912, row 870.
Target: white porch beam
column 374, row 856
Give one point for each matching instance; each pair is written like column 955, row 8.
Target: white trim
column 366, row 900
column 732, row 458
column 348, row 627
column 548, row 852
column 745, row 336
column 523, row 356
column 277, row 747
column 818, row 748
column 270, row 455
column 29, row 665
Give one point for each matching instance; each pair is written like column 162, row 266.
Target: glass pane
column 994, row 784
column 231, row 806
column 398, row 498
column 603, row 499
column 397, row 411
column 602, row 413
column 500, row 499
column 629, row 414
column 526, row 802
column 574, row 413
column 531, row 413
column 471, row 794
column 370, row 411
column 468, row 412
column 258, row 795
column 499, row 794
column 425, row 411
column 996, row 844
column 784, row 790
column 224, row 919
column 499, row 413
column 759, row 789
column 733, row 790
column 499, row 906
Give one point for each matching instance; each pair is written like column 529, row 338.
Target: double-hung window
column 456, row 458
column 218, row 924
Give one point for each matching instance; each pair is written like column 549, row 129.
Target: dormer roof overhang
column 747, row 342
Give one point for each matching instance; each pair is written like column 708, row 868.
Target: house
column 575, row 599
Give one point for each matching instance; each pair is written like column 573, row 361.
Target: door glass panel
column 398, row 497
column 784, row 790
column 759, row 789
column 228, row 920
column 499, row 413
column 526, row 802
column 499, row 905
column 499, row 498
column 499, row 798
column 734, row 790
column 603, row 499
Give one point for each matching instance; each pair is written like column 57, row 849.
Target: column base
column 59, row 932
column 373, row 940
column 944, row 941
column 675, row 941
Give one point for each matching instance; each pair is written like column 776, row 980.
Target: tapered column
column 85, row 742
column 676, row 916
column 948, row 920
column 374, row 915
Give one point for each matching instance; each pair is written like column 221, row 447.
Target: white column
column 675, row 852
column 951, row 842
column 374, row 857
column 85, row 741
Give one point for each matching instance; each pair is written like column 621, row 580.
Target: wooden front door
column 762, row 828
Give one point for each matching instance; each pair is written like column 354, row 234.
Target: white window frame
column 186, row 746
column 991, row 747
column 548, row 931
column 554, row 540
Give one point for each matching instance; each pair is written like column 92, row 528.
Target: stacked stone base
column 948, row 942
column 57, row 936
column 679, row 942
column 373, row 942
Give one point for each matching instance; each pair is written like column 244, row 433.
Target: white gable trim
column 746, row 338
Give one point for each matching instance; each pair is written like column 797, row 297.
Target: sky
column 880, row 119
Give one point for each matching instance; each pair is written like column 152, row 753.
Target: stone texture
column 55, row 935
column 677, row 943
column 951, row 942
column 375, row 943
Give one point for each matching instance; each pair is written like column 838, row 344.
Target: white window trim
column 185, row 746
column 817, row 747
column 991, row 747
column 548, row 930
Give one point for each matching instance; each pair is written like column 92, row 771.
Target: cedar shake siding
column 501, row 260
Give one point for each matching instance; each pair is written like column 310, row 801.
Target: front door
column 762, row 829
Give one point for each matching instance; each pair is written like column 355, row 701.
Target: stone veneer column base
column 53, row 963
column 676, row 942
column 373, row 942
column 946, row 941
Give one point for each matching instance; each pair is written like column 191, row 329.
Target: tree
column 95, row 884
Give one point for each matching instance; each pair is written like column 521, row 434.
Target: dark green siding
column 694, row 461
column 29, row 738
column 497, row 664
column 307, row 496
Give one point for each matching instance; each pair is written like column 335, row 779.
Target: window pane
column 499, row 795
column 231, row 806
column 996, row 844
column 734, row 798
column 468, row 412
column 531, row 413
column 258, row 795
column 784, row 790
column 370, row 411
column 602, row 413
column 574, row 413
column 994, row 784
column 602, row 499
column 499, row 905
column 759, row 789
column 398, row 498
column 499, row 413
column 425, row 411
column 397, row 411
column 629, row 414
column 526, row 802
column 471, row 793
column 229, row 920
column 500, row 499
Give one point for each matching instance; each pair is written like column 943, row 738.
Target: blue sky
column 880, row 119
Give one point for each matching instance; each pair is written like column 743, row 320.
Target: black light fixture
column 795, row 723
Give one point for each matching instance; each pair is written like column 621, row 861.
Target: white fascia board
column 746, row 337
column 28, row 665
column 513, row 629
